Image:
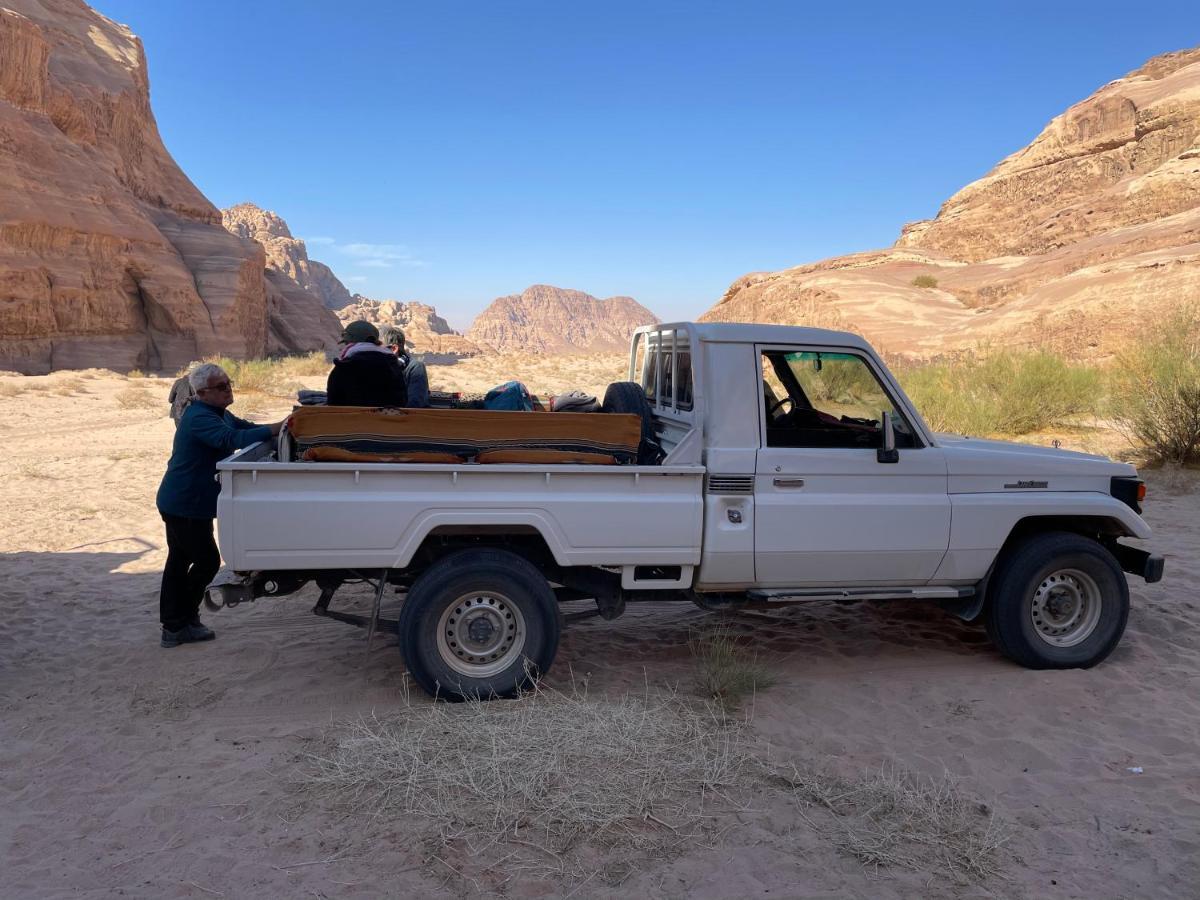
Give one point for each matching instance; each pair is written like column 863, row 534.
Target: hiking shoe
column 198, row 631
column 175, row 638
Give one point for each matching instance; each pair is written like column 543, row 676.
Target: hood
column 976, row 464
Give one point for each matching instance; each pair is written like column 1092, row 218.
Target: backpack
column 512, row 395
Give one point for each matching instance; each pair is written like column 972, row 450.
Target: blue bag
column 511, row 395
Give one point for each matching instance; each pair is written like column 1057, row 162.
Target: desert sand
column 130, row 770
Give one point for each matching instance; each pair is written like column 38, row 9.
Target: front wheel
column 1058, row 601
column 477, row 624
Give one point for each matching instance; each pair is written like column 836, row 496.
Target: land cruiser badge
column 1024, row 485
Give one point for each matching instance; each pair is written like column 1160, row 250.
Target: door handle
column 788, row 482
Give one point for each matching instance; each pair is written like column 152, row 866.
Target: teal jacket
column 206, row 435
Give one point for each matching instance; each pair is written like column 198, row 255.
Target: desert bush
column 1154, row 390
column 725, row 672
column 136, row 373
column 1004, row 392
column 8, row 389
column 307, row 365
column 272, row 376
column 925, row 281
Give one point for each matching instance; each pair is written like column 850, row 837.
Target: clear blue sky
column 454, row 152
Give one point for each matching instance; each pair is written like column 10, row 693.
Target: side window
column 820, row 399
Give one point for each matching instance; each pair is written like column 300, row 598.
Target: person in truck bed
column 416, row 377
column 187, row 500
column 366, row 373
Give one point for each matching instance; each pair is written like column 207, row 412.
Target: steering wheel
column 777, row 404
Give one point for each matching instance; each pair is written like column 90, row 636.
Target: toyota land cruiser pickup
column 793, row 468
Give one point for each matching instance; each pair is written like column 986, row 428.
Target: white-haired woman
column 187, row 500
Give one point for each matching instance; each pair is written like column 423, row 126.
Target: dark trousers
column 192, row 561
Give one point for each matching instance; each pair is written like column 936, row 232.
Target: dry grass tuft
column 9, row 389
column 583, row 789
column 726, row 672
column 139, row 398
column 548, row 771
column 68, row 387
column 896, row 818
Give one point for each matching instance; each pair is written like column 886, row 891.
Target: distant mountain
column 109, row 255
column 285, row 253
column 1078, row 241
column 424, row 330
column 547, row 320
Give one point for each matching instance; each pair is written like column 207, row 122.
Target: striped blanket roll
column 464, row 432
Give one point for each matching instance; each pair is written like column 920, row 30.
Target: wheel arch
column 1101, row 528
column 440, row 531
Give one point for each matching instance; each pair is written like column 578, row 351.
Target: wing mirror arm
column 888, row 452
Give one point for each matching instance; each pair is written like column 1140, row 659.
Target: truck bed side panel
column 324, row 516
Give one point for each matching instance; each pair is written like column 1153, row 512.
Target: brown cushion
column 464, row 432
column 337, row 454
column 546, row 456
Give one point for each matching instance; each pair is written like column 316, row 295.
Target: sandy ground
column 129, row 770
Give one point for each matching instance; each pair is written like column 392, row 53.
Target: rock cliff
column 546, row 320
column 109, row 255
column 285, row 253
column 1076, row 241
column 424, row 330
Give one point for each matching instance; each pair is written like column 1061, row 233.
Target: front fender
column 982, row 523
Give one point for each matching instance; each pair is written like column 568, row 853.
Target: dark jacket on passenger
column 368, row 378
column 205, row 436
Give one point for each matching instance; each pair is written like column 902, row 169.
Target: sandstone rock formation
column 285, row 253
column 424, row 330
column 109, row 255
column 1079, row 241
column 546, row 320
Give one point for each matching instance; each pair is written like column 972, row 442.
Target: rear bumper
column 1139, row 562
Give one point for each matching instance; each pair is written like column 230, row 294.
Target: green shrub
column 1004, row 392
column 924, row 281
column 1155, row 390
column 272, row 376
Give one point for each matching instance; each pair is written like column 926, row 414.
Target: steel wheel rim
column 1065, row 607
column 480, row 634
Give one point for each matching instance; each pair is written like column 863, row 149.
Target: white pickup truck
column 795, row 470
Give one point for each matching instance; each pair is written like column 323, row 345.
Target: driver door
column 827, row 512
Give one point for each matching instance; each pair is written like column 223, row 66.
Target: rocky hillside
column 424, row 330
column 109, row 255
column 1079, row 241
column 546, row 320
column 285, row 253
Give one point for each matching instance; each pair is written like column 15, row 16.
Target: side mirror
column 887, row 453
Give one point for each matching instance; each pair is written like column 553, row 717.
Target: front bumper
column 1139, row 562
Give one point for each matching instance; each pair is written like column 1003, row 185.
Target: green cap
column 359, row 332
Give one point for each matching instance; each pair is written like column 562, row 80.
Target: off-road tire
column 1022, row 633
column 478, row 576
column 629, row 397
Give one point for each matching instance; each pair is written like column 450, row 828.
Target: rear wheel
column 1058, row 601
column 479, row 623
